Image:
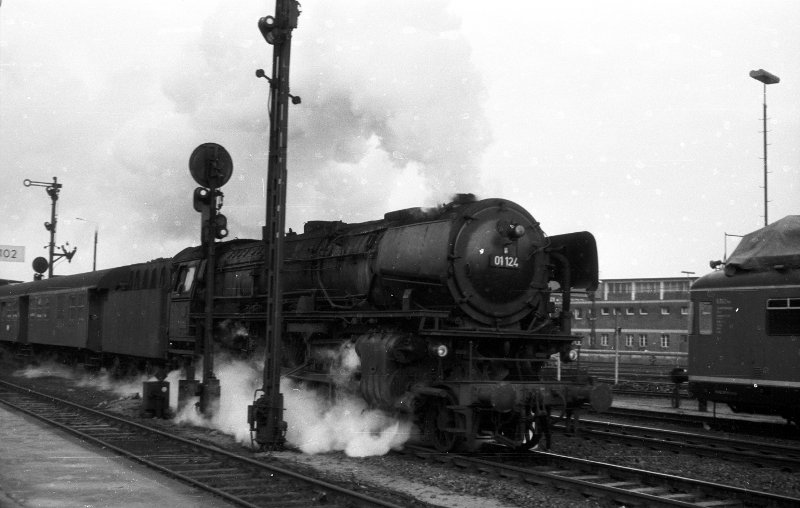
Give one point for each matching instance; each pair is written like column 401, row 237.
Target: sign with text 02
column 12, row 253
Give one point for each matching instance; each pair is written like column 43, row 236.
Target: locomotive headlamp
column 440, row 350
column 568, row 356
column 509, row 229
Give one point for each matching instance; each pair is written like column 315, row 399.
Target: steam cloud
column 315, row 425
column 379, row 128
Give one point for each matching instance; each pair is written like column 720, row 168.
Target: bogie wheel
column 440, row 420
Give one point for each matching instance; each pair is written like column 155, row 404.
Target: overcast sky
column 636, row 121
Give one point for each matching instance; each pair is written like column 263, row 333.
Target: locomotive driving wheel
column 440, row 424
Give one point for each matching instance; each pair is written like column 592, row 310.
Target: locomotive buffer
column 265, row 416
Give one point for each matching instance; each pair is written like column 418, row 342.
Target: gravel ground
column 421, row 483
column 705, row 468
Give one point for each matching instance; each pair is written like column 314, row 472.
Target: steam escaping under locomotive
column 444, row 315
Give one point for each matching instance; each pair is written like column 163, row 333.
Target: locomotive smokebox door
column 155, row 399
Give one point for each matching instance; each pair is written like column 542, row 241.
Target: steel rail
column 732, row 422
column 765, row 454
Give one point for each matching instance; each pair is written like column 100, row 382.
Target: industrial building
column 643, row 314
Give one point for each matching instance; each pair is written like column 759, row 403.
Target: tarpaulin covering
column 774, row 246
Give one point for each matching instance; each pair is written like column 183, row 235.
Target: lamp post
column 617, row 332
column 96, row 228
column 768, row 79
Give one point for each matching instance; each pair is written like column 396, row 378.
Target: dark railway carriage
column 744, row 347
column 95, row 317
column 60, row 311
column 134, row 313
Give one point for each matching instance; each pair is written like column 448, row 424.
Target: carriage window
column 783, row 316
column 704, row 321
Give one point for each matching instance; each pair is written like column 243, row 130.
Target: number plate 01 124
column 504, row 262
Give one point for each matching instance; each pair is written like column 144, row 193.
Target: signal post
column 211, row 166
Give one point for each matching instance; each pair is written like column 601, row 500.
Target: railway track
column 754, row 452
column 619, row 484
column 757, row 427
column 238, row 479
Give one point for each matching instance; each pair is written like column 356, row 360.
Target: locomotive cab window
column 783, row 316
column 185, row 280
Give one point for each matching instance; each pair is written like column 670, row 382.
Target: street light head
column 765, row 77
column 26, row 182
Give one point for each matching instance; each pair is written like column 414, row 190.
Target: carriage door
column 22, row 333
column 93, row 310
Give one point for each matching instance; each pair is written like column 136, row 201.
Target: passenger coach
column 98, row 318
column 744, row 347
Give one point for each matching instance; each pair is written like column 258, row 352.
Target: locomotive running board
column 496, row 334
column 364, row 314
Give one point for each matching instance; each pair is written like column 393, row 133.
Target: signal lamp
column 220, row 227
column 201, row 199
column 267, row 25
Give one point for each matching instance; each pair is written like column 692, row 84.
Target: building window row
column 631, row 311
column 650, row 288
column 629, row 340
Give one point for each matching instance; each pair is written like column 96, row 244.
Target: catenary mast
column 266, row 415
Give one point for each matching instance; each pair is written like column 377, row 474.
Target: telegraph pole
column 265, row 416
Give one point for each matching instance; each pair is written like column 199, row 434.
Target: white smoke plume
column 318, row 426
column 102, row 380
column 315, row 424
column 391, row 116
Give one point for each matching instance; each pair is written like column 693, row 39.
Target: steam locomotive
column 450, row 313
